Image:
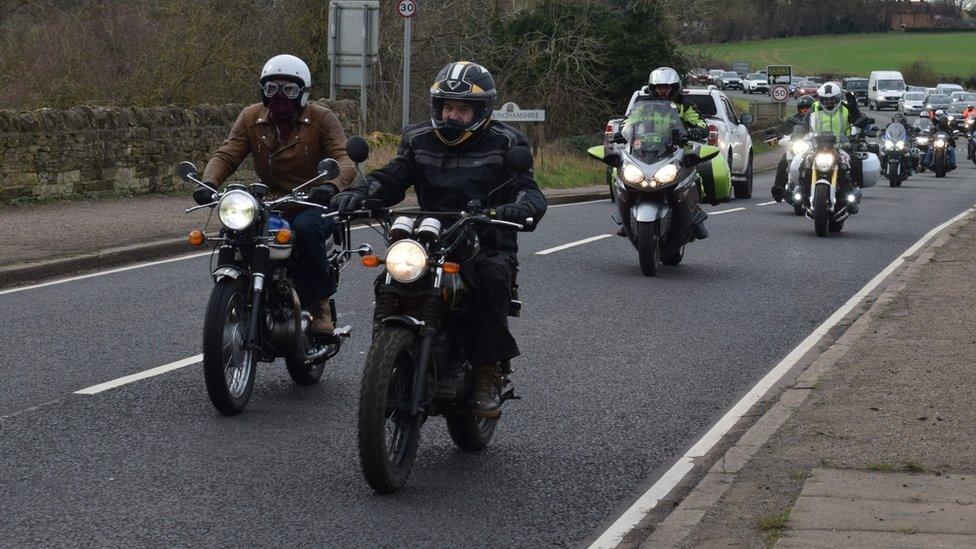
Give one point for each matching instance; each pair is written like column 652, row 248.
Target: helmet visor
column 830, row 103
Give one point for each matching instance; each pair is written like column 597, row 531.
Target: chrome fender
column 232, row 272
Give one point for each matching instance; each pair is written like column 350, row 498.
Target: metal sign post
column 407, row 9
column 353, row 47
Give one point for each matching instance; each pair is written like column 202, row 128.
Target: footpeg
column 344, row 332
column 510, row 395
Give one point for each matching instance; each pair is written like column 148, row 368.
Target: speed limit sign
column 780, row 92
column 407, row 8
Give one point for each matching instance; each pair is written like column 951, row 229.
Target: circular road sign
column 407, row 8
column 780, row 92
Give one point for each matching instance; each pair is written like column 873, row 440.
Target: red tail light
column 607, row 133
column 712, row 134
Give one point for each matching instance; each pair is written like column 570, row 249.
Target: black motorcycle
column 254, row 314
column 896, row 156
column 418, row 364
column 941, row 141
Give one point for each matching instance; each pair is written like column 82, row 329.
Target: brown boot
column 321, row 318
column 487, row 397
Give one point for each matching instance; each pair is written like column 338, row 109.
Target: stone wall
column 52, row 153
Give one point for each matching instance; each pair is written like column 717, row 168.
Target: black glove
column 203, row 195
column 322, row 195
column 514, row 213
column 696, row 133
column 348, row 200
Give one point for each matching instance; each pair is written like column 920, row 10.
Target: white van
column 947, row 89
column 885, row 89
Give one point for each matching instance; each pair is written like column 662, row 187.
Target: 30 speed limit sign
column 780, row 93
column 407, row 8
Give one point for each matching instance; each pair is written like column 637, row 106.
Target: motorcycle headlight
column 800, row 147
column 824, row 161
column 632, row 174
column 406, row 261
column 666, row 174
column 921, row 140
column 237, row 210
column 889, row 144
column 900, row 145
column 940, row 143
column 951, row 118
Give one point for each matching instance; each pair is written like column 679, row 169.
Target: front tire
column 648, row 247
column 228, row 368
column 893, row 180
column 388, row 434
column 821, row 209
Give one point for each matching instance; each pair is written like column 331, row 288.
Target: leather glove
column 348, row 200
column 322, row 195
column 514, row 213
column 696, row 133
column 203, row 195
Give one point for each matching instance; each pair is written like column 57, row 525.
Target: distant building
column 912, row 15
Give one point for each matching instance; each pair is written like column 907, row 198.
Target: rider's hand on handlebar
column 323, row 194
column 347, row 201
column 203, row 195
column 513, row 213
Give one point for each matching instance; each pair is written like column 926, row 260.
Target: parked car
column 726, row 130
column 755, row 83
column 885, row 88
column 946, row 89
column 731, row 80
column 937, row 101
column 806, row 87
column 963, row 96
column 857, row 86
column 911, row 102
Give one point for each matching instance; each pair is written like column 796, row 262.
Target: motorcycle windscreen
column 716, row 178
column 896, row 132
column 650, row 131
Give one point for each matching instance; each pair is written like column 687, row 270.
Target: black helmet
column 461, row 81
column 805, row 102
column 899, row 118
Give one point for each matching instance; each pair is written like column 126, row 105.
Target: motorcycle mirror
column 186, row 170
column 358, row 149
column 473, row 205
column 518, row 159
column 746, row 119
column 329, row 168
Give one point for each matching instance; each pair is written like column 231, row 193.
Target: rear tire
column 821, row 209
column 228, row 369
column 384, row 399
column 648, row 247
column 469, row 432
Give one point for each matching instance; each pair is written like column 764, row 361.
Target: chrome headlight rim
column 237, row 210
column 406, row 261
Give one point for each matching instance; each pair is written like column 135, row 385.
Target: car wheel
column 743, row 189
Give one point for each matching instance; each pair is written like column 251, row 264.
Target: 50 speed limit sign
column 780, row 92
column 407, row 8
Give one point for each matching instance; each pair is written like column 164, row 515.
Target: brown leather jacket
column 318, row 135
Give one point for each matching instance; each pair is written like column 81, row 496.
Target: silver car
column 911, row 103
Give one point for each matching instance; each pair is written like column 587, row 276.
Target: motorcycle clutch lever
column 200, row 207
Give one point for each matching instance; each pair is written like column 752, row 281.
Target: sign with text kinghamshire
column 510, row 112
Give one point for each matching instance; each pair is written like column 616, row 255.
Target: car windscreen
column 940, row 99
column 704, row 104
column 856, row 85
column 969, row 97
column 914, row 97
column 957, row 108
column 891, row 85
column 731, row 74
column 755, row 76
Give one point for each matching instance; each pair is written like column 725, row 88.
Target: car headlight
column 406, row 260
column 632, row 174
column 889, row 144
column 940, row 143
column 237, row 210
column 900, row 145
column 929, row 106
column 800, row 147
column 921, row 140
column 824, row 161
column 666, row 174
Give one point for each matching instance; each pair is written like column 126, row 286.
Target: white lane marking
column 579, row 203
column 571, row 244
column 720, row 212
column 95, row 389
column 649, row 499
column 766, row 203
column 116, row 270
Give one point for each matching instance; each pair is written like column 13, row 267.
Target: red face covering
column 283, row 113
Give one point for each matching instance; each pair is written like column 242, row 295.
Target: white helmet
column 292, row 68
column 829, row 95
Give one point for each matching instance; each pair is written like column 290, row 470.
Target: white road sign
column 407, row 8
column 510, row 112
column 779, row 92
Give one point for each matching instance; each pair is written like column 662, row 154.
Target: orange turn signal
column 371, row 261
column 283, row 236
column 196, row 237
column 451, row 268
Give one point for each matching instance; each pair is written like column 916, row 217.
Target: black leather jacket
column 447, row 178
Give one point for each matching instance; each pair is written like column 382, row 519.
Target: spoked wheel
column 470, row 432
column 302, row 370
column 388, row 434
column 228, row 368
column 821, row 209
column 648, row 247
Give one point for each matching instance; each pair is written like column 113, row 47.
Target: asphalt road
column 619, row 375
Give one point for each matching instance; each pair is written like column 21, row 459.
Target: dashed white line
column 720, row 212
column 571, row 244
column 649, row 499
column 95, row 389
column 766, row 203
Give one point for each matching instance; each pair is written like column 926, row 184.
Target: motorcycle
column 657, row 185
column 970, row 132
column 896, row 158
column 254, row 313
column 940, row 152
column 417, row 365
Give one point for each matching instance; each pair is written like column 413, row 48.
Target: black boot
column 699, row 230
column 621, row 231
column 487, row 397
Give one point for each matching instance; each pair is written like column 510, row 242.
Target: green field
column 949, row 54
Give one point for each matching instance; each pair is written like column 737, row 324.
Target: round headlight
column 632, row 174
column 666, row 174
column 889, row 144
column 940, row 142
column 800, row 147
column 237, row 210
column 406, row 261
column 824, row 161
column 900, row 145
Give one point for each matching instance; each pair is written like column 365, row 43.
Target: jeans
column 314, row 278
column 951, row 157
